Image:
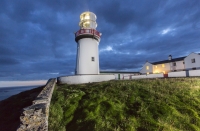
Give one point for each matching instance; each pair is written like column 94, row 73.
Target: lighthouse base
column 80, row 79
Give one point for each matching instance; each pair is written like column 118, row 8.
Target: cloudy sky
column 37, row 36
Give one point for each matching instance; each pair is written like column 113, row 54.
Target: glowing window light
column 147, row 67
column 163, row 65
column 86, row 24
column 156, row 66
column 87, row 17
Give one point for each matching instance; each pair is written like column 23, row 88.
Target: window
column 183, row 62
column 147, row 67
column 156, row 66
column 194, row 68
column 193, row 60
column 163, row 65
column 174, row 64
column 92, row 59
column 147, row 73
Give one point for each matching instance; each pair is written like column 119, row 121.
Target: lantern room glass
column 88, row 20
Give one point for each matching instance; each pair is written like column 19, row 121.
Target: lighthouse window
column 92, row 58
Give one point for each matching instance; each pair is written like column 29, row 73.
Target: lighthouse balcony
column 88, row 32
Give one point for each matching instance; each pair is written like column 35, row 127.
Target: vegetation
column 134, row 105
column 11, row 108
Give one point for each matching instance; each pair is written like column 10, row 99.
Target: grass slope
column 136, row 105
column 11, row 108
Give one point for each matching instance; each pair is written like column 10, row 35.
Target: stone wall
column 35, row 117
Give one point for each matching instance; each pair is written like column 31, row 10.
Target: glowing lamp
column 88, row 20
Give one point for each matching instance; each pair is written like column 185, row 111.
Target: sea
column 6, row 92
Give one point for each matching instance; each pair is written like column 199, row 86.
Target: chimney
column 170, row 57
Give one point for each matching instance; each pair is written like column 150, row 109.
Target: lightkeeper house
column 190, row 62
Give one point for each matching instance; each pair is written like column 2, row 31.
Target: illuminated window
column 156, row 66
column 86, row 24
column 193, row 60
column 87, row 17
column 163, row 72
column 147, row 67
column 147, row 73
column 163, row 65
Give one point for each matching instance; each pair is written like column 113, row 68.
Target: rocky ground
column 10, row 108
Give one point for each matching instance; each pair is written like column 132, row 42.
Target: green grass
column 133, row 105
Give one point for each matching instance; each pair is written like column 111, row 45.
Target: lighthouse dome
column 88, row 20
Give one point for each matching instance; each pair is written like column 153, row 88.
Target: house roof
column 167, row 61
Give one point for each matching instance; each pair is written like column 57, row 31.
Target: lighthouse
column 87, row 57
column 87, row 38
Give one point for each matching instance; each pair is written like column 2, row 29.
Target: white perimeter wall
column 79, row 79
column 177, row 74
column 148, row 76
column 194, row 73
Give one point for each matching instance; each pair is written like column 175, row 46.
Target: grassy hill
column 134, row 105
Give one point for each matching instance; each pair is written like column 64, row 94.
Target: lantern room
column 88, row 20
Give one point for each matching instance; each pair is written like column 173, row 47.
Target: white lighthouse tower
column 87, row 39
column 87, row 60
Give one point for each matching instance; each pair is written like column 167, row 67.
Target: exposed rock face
column 35, row 117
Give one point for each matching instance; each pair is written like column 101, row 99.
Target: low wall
column 177, row 74
column 35, row 117
column 79, row 79
column 194, row 73
column 148, row 76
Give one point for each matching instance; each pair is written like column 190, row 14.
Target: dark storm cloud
column 37, row 37
column 8, row 61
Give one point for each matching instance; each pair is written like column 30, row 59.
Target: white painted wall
column 194, row 72
column 87, row 48
column 188, row 63
column 177, row 74
column 144, row 70
column 159, row 69
column 79, row 79
column 179, row 65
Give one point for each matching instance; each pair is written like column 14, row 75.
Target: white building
column 87, row 60
column 190, row 62
column 87, row 39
